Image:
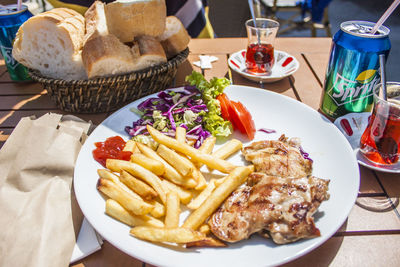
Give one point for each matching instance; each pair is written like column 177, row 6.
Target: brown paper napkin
column 40, row 217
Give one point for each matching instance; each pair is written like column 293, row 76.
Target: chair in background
column 36, row 6
column 312, row 14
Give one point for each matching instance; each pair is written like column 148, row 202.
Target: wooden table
column 367, row 238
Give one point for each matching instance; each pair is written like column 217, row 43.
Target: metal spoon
column 254, row 20
column 386, row 145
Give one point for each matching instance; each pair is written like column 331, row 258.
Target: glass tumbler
column 260, row 46
column 380, row 142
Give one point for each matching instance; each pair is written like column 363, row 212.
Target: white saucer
column 285, row 65
column 358, row 122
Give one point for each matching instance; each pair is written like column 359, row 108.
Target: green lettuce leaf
column 213, row 122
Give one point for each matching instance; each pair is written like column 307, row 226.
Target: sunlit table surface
column 367, row 238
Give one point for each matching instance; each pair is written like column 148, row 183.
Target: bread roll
column 127, row 19
column 175, row 37
column 106, row 56
column 95, row 20
column 150, row 50
column 50, row 42
column 103, row 54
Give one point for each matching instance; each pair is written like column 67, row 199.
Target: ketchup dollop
column 111, row 149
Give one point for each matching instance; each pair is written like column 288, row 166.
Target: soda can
column 10, row 20
column 353, row 68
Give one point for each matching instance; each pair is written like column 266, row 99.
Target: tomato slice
column 249, row 124
column 238, row 115
column 241, row 119
column 224, row 103
column 234, row 115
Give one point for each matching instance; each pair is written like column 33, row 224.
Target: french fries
column 196, row 202
column 208, row 144
column 206, row 147
column 191, row 142
column 196, row 174
column 184, row 195
column 158, row 210
column 115, row 210
column 106, row 174
column 231, row 182
column 180, row 134
column 173, row 210
column 172, row 235
column 201, row 181
column 138, row 186
column 130, row 203
column 219, row 181
column 206, row 242
column 212, row 162
column 152, row 165
column 180, row 163
column 170, row 172
column 131, row 146
column 140, row 172
column 228, row 149
column 205, row 229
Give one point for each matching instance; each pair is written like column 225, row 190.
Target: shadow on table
column 183, row 70
column 323, row 255
column 279, row 87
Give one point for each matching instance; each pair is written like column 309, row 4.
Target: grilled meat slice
column 281, row 206
column 281, row 158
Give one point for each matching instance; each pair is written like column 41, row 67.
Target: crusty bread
column 50, row 42
column 95, row 20
column 175, row 37
column 106, row 56
column 103, row 54
column 127, row 19
column 150, row 50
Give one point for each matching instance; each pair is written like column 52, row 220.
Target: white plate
column 357, row 123
column 285, row 65
column 333, row 159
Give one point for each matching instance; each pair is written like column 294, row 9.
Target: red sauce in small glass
column 111, row 149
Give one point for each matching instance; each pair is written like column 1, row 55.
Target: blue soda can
column 353, row 68
column 10, row 20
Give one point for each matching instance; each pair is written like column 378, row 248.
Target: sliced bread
column 95, row 20
column 150, row 50
column 175, row 37
column 50, row 42
column 103, row 53
column 127, row 19
column 106, row 56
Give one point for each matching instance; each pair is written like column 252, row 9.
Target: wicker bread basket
column 110, row 93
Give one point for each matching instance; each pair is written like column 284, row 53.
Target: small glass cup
column 260, row 46
column 380, row 142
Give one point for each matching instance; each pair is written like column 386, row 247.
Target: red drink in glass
column 260, row 45
column 260, row 58
column 380, row 142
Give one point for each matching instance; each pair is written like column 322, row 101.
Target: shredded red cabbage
column 305, row 154
column 268, row 131
column 173, row 106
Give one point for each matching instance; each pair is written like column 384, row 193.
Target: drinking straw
column 19, row 5
column 383, row 75
column 385, row 16
column 254, row 19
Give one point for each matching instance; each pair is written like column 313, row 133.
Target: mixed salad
column 201, row 108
